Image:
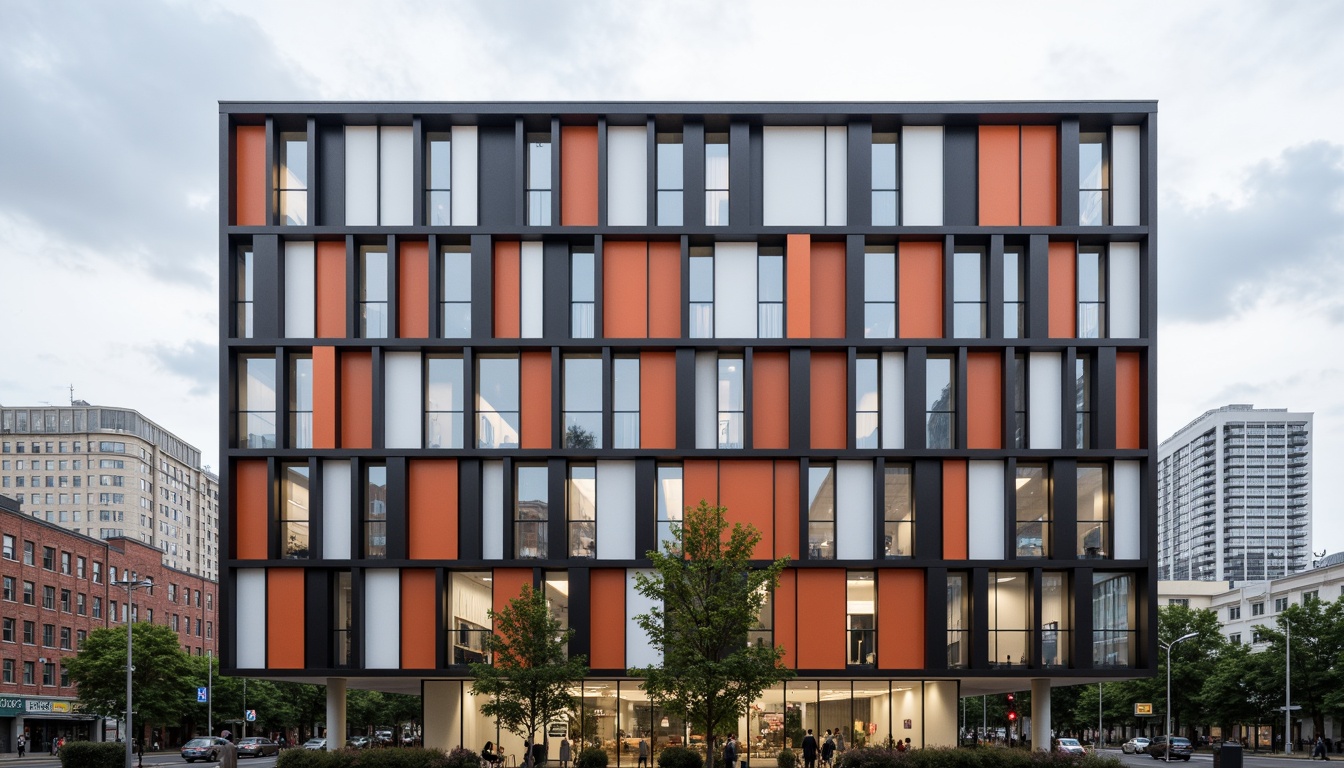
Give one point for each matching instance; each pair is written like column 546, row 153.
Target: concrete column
column 335, row 713
column 1040, row 714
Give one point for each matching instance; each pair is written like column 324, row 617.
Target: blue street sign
column 251, row 715
column 202, row 695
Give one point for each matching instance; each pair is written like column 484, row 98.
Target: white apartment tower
column 1234, row 496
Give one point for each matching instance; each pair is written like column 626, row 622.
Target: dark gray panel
column 316, row 619
column 417, row 172
column 748, row 374
column 1068, row 172
column 960, row 197
column 859, row 174
column 928, row 492
column 379, row 400
column 854, row 287
column 1082, row 618
column 646, row 512
column 757, row 178
column 555, row 292
column 602, row 173
column 1103, row 399
column 397, row 530
column 469, row 509
column 935, row 618
column 800, row 403
column 482, row 287
column 1064, row 509
column 498, row 172
column 686, row 399
column 557, row 523
column 916, row 436
column 268, row 287
column 994, row 284
column 980, row 619
column 331, row 175
column 693, row 175
column 1037, row 281
column 740, row 184
column 580, row 612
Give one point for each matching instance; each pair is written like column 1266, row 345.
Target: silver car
column 1135, row 746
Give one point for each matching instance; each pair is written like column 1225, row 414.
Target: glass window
column 1019, row 401
column 1091, row 294
column 770, row 293
column 958, row 621
column 866, row 402
column 1014, row 294
column 293, row 191
column 497, row 402
column 375, row 511
column 821, row 512
column 625, row 402
column 539, row 179
column 861, row 614
column 256, row 402
column 879, row 292
column 556, row 586
column 530, row 511
column 1009, row 612
column 294, row 520
column 1082, row 371
column 669, row 179
column 1094, row 180
column 1234, row 613
column 886, row 180
column 1112, row 620
column 455, row 279
column 1055, row 612
column 1257, row 609
column 342, row 620
column 669, row 501
column 470, row 596
column 1033, row 510
column 245, row 285
column 716, row 179
column 940, row 402
column 582, row 503
column 373, row 296
column 582, row 294
column 731, row 402
column 443, row 401
column 11, row 589
column 439, row 178
column 898, row 537
column 49, row 558
column 583, row 402
column 701, row 293
column 301, row 401
column 968, row 293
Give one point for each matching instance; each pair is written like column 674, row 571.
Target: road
column 1205, row 759
column 158, row 759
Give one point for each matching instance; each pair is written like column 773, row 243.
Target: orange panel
column 1128, row 400
column 770, row 400
column 830, row 400
column 413, row 291
column 606, row 600
column 700, row 478
column 536, row 400
column 1063, row 280
column 921, row 290
column 786, row 616
column 331, row 289
column 625, row 290
column 828, row 290
column 665, row 302
column 798, row 262
column 786, row 509
column 326, row 425
column 419, row 603
column 252, row 491
column 747, row 491
column 284, row 635
column 954, row 510
column 984, row 400
column 431, row 509
column 1040, row 175
column 508, row 585
column 250, row 188
column 356, row 394
column 578, row 175
column 999, row 185
column 508, row 287
column 821, row 595
column 657, row 400
column 900, row 618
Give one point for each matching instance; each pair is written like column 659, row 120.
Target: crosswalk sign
column 251, row 715
column 202, row 695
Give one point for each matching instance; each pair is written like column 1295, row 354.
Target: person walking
column 1319, row 749
column 23, row 744
column 730, row 752
column 809, row 750
column 839, row 741
column 643, row 753
column 828, row 749
column 565, row 755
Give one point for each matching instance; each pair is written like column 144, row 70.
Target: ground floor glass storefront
column 616, row 715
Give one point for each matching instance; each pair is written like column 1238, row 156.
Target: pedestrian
column 644, row 754
column 809, row 750
column 1319, row 749
column 565, row 755
column 839, row 741
column 730, row 752
column 23, row 744
column 828, row 748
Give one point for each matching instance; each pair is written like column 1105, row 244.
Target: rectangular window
column 530, row 511
column 81, row 604
column 1033, row 510
column 497, row 421
column 9, row 669
column 625, row 402
column 867, row 403
column 470, row 595
column 342, row 620
column 940, row 415
column 821, row 512
column 701, row 293
column 1019, row 401
column 97, row 572
column 443, row 401
column 48, row 635
column 861, row 618
column 898, row 515
column 968, row 293
column 879, row 292
column 29, row 673
column 732, row 404
column 1009, row 610
column 301, row 401
column 1014, row 294
column 539, row 179
column 375, row 511
column 373, row 294
column 29, row 593
column 66, row 639
column 1055, row 619
column 256, row 402
column 1094, row 512
column 65, row 600
column 1234, row 638
column 770, row 293
column 294, row 515
column 292, row 194
column 1257, row 609
column 886, row 180
column 81, row 563
column 1113, row 633
column 1310, row 595
column 1183, row 602
column 9, row 553
column 1280, row 604
column 49, row 558
column 669, row 502
column 11, row 589
column 958, row 621
column 1234, row 613
column 49, row 598
column 582, row 294
column 9, row 630
column 583, row 402
column 716, row 179
column 670, row 182
column 1091, row 293
column 1082, row 372
column 30, row 633
column 455, row 281
column 439, row 178
column 1094, row 180
column 582, row 510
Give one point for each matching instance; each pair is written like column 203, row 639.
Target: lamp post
column 130, row 585
column 1287, row 687
column 1167, row 647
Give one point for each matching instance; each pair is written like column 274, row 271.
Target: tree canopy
column 163, row 678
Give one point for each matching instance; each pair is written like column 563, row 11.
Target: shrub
column 591, row 757
column 786, row 758
column 680, row 757
column 310, row 758
column 871, row 757
column 413, row 757
column 93, row 754
column 981, row 757
column 462, row 758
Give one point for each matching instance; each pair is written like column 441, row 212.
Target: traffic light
column 1012, row 707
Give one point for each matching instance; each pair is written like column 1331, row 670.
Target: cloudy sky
column 108, row 155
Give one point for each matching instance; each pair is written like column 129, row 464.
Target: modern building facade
column 471, row 347
column 1234, row 496
column 111, row 472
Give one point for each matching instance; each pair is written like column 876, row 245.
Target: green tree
column 1317, row 647
column 1192, row 662
column 709, row 598
column 164, row 686
column 528, row 684
column 1240, row 689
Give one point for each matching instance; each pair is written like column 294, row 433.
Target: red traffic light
column 1012, row 697
column 1012, row 716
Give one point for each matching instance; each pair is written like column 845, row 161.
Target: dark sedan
column 1171, row 748
column 206, row 748
column 257, row 746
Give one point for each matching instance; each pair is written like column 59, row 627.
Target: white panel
column 492, row 510
column 854, row 510
column 382, row 618
column 794, row 176
column 984, row 496
column 837, row 175
column 336, row 492
column 893, row 400
column 616, row 510
column 627, row 176
column 1123, row 281
column 1128, row 508
column 530, row 282
column 443, row 704
column 464, row 175
column 361, row 174
column 300, row 291
column 1125, row 175
column 706, row 400
column 250, row 624
column 403, row 407
column 735, row 290
column 922, row 176
column 940, row 713
column 639, row 652
column 396, row 184
column 1044, row 404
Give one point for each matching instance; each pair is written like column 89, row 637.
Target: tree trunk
column 711, row 746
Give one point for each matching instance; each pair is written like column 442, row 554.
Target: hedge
column 387, row 757
column 967, row 757
column 93, row 754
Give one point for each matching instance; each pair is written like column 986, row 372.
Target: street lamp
column 130, row 585
column 1167, row 647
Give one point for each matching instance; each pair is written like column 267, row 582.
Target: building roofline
column 199, row 467
column 1236, row 408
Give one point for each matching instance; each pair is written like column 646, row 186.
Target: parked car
column 1135, row 746
column 358, row 742
column 206, row 748
column 318, row 744
column 1069, row 747
column 257, row 746
column 383, row 737
column 1171, row 747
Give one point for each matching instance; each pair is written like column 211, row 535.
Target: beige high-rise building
column 108, row 472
